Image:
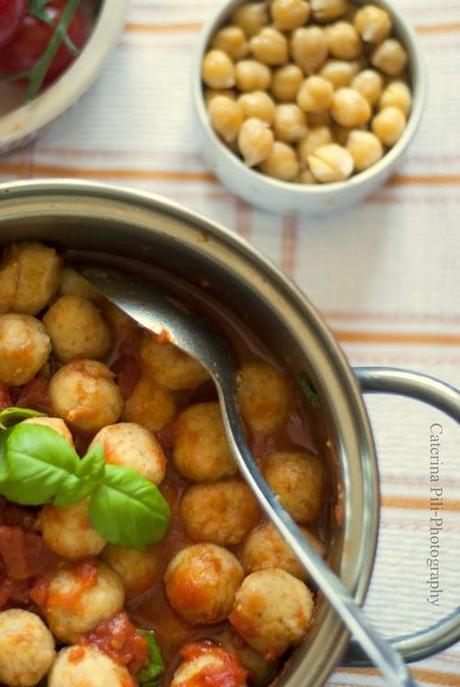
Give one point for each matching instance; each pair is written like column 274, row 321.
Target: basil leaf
column 308, row 389
column 11, row 416
column 38, row 461
column 89, row 473
column 3, row 462
column 127, row 509
column 149, row 676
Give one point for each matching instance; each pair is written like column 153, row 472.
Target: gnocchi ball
column 264, row 397
column 286, row 83
column 170, row 367
column 265, row 548
column 290, row 14
column 232, row 40
column 73, row 284
column 54, row 423
column 150, row 406
column 77, row 329
column 298, row 479
column 88, row 666
column 77, row 601
column 309, row 48
column 84, row 394
column 138, row 568
column 201, row 581
column 201, row 452
column 68, row 531
column 221, row 512
column 9, row 276
column 259, row 105
column 251, row 17
column 204, row 661
column 282, row 163
column 38, row 278
column 252, row 75
column 272, row 611
column 132, row 446
column 26, row 648
column 218, row 70
column 24, row 348
column 270, row 46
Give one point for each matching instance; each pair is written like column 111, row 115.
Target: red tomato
column 32, row 39
column 11, row 14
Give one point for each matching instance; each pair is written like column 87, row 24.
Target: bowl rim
column 418, row 74
column 27, row 119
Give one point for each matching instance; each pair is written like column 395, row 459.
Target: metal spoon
column 157, row 313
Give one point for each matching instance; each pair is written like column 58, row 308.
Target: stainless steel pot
column 153, row 230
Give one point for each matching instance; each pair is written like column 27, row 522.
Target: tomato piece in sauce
column 225, row 672
column 119, row 639
column 35, row 395
column 11, row 14
column 24, row 554
column 5, row 397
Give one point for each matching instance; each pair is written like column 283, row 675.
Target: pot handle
column 446, row 632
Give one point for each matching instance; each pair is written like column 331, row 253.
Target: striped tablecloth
column 385, row 275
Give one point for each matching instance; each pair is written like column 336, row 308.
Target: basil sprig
column 38, row 466
column 150, row 675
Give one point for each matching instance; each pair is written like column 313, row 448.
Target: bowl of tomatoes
column 51, row 51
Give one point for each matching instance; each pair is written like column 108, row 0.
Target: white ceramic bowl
column 24, row 123
column 284, row 197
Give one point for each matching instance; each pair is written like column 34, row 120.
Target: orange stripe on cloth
column 107, row 173
column 405, row 338
column 418, row 503
column 424, row 674
column 425, row 180
column 438, row 28
column 163, row 28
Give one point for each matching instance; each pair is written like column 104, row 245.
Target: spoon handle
column 379, row 651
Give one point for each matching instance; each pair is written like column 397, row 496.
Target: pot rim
column 139, row 213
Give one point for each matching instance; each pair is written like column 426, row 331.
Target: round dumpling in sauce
column 54, row 423
column 205, row 663
column 138, row 568
column 219, row 512
column 9, row 275
column 26, row 648
column 170, row 367
column 298, row 479
column 78, row 598
column 264, row 397
column 131, row 446
column 201, row 452
column 88, row 666
column 38, row 274
column 84, row 394
column 24, row 348
column 272, row 611
column 265, row 548
column 201, row 582
column 77, row 329
column 150, row 406
column 68, row 532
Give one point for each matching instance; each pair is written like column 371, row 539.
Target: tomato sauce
column 119, row 639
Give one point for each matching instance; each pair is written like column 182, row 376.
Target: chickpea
column 226, row 117
column 317, row 137
column 306, row 177
column 258, row 104
column 331, row 163
column 218, row 70
column 315, row 95
column 389, row 125
column 373, row 24
column 211, row 93
column 339, row 72
column 343, row 40
column 365, row 149
column 270, row 46
column 397, row 94
column 255, row 141
column 328, row 10
column 282, row 163
column 231, row 40
column 290, row 14
column 286, row 82
column 369, row 83
column 251, row 18
column 350, row 108
column 252, row 76
column 290, row 123
column 309, row 48
column 390, row 57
